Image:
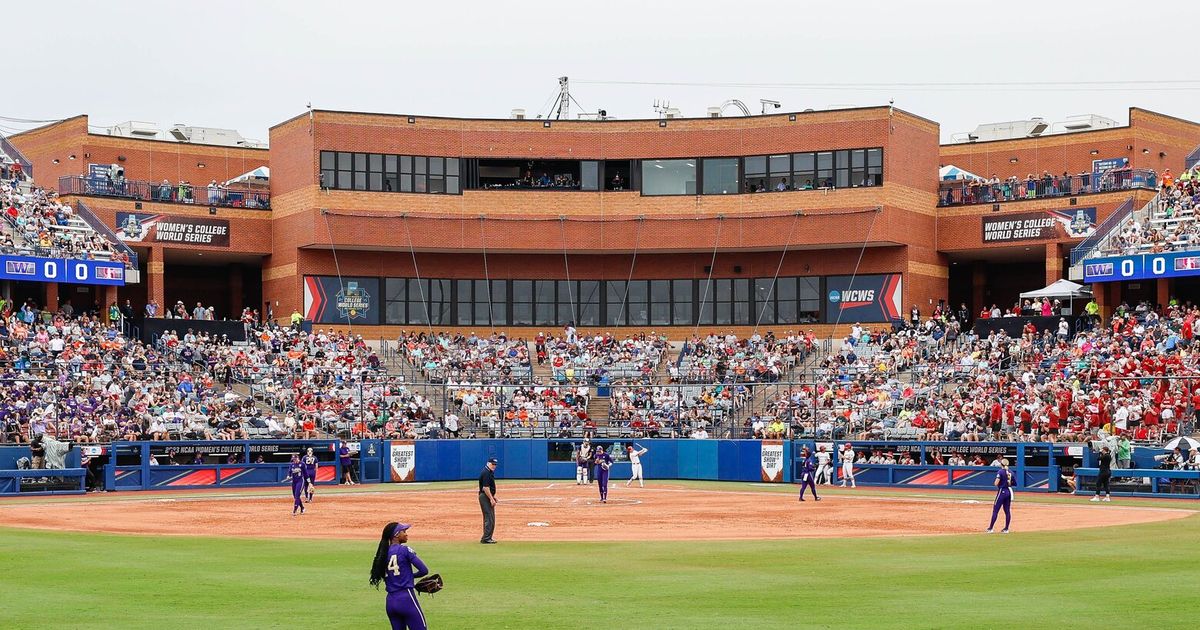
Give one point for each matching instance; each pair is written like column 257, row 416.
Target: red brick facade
column 525, row 233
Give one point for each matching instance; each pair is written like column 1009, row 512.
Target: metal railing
column 195, row 194
column 96, row 224
column 1102, row 232
column 978, row 191
column 15, row 153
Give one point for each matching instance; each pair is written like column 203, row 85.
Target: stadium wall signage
column 140, row 227
column 333, row 300
column 404, row 461
column 871, row 298
column 1142, row 267
column 771, row 456
column 1039, row 226
column 69, row 270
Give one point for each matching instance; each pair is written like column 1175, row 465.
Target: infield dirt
column 564, row 512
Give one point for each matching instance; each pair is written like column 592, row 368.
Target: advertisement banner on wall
column 772, row 461
column 333, row 300
column 404, row 461
column 1037, row 226
column 872, row 298
column 141, row 227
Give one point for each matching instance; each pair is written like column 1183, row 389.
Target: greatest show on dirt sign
column 772, row 461
column 404, row 461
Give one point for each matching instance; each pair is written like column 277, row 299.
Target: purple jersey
column 1005, row 479
column 296, row 474
column 344, row 455
column 603, row 460
column 399, row 574
column 310, row 465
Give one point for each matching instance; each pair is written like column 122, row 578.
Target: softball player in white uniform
column 635, row 460
column 847, row 457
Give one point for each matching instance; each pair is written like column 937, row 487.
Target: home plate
column 538, row 524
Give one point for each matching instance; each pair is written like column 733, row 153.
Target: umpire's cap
column 493, row 460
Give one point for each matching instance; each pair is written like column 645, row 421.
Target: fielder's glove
column 431, row 583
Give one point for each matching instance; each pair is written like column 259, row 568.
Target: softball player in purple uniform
column 296, row 475
column 1004, row 483
column 310, row 474
column 393, row 565
column 808, row 473
column 602, row 461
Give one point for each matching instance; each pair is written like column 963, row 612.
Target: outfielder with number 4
column 635, row 459
column 393, row 565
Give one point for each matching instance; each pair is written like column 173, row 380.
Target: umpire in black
column 487, row 500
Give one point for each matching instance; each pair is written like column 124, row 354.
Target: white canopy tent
column 951, row 172
column 260, row 176
column 1060, row 289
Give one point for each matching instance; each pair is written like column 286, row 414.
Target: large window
column 669, row 177
column 720, row 176
column 379, row 172
column 553, row 303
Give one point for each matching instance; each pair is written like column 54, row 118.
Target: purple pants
column 404, row 611
column 1003, row 500
column 602, row 482
column 297, row 492
column 807, row 481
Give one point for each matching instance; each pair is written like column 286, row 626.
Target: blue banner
column 37, row 269
column 1142, row 267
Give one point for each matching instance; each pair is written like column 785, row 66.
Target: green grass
column 1142, row 576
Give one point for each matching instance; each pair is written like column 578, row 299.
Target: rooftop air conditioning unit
column 518, row 114
column 714, row 112
column 672, row 112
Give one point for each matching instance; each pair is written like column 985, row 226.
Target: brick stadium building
column 402, row 222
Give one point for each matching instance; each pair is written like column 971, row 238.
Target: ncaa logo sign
column 835, row 297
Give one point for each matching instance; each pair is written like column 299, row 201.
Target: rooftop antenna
column 661, row 106
column 564, row 100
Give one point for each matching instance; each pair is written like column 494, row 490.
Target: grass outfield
column 1141, row 576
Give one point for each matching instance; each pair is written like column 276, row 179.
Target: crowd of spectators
column 575, row 358
column 726, row 358
column 1039, row 386
column 441, row 357
column 36, row 224
column 993, row 189
column 1169, row 225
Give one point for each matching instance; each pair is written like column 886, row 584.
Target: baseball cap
column 403, row 527
column 493, row 460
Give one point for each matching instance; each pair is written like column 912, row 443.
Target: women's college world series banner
column 772, row 461
column 141, row 227
column 345, row 300
column 404, row 461
column 870, row 298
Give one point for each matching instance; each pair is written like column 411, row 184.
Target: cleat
column 1107, row 499
column 988, row 531
column 1004, row 531
column 489, row 541
column 817, row 498
column 1094, row 499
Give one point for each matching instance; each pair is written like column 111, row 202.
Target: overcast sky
column 249, row 64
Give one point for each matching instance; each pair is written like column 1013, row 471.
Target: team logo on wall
column 334, row 300
column 871, row 298
column 353, row 301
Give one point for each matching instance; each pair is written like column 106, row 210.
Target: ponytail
column 379, row 565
